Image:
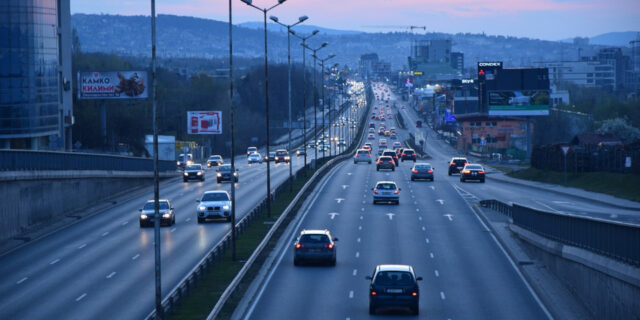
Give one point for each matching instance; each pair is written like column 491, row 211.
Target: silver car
column 386, row 191
column 147, row 213
column 362, row 155
column 254, row 158
column 214, row 205
column 193, row 171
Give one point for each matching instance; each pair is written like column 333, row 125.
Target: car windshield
column 314, row 238
column 252, row 149
column 215, row 196
column 281, row 153
column 163, row 205
column 225, row 168
column 361, row 152
column 459, row 161
column 423, row 166
column 389, row 278
column 386, row 186
column 215, row 158
column 473, row 167
column 389, row 153
column 194, row 167
column 408, row 151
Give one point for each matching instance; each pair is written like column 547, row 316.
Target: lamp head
column 303, row 18
column 324, row 44
column 281, row 1
column 248, row 2
column 274, row 18
column 315, row 32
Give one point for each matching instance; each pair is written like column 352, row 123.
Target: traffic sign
column 565, row 149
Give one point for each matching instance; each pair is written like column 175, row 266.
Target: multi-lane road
column 467, row 274
column 103, row 267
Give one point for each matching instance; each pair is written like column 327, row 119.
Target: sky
column 540, row 19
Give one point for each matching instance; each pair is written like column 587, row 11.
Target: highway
column 103, row 267
column 467, row 274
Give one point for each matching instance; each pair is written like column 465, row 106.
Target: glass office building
column 32, row 75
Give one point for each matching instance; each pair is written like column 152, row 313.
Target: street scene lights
column 323, row 102
column 300, row 20
column 315, row 97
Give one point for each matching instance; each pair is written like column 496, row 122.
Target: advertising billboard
column 204, row 122
column 112, row 85
column 518, row 103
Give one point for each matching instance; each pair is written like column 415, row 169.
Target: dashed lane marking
column 351, row 294
column 441, row 201
column 442, row 295
column 124, row 223
column 110, row 275
column 333, row 215
column 106, row 233
column 358, row 240
column 25, row 279
column 173, row 229
column 426, row 240
column 437, row 274
column 81, row 297
column 449, row 215
column 424, row 229
column 359, row 227
column 420, row 218
column 54, row 261
column 355, row 272
column 82, row 246
column 358, row 254
column 431, row 255
column 187, row 220
column 135, row 257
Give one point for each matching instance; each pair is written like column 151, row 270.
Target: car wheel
column 173, row 221
column 218, row 180
column 413, row 179
column 296, row 262
column 393, row 169
column 374, row 202
column 184, row 180
column 415, row 310
column 482, row 181
column 236, row 180
column 369, row 162
column 333, row 262
column 398, row 202
column 377, row 169
column 229, row 219
column 200, row 220
column 372, row 309
column 449, row 172
column 141, row 224
column 461, row 179
column 431, row 179
column 354, row 162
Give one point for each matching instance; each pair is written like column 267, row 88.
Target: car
column 362, row 155
column 270, row 157
column 381, row 131
column 382, row 118
column 342, row 143
column 368, row 145
column 282, row 155
column 372, row 125
column 396, row 145
column 251, row 150
column 323, row 148
column 387, row 133
column 386, row 191
column 373, row 117
column 224, row 173
column 382, row 143
column 371, row 136
column 254, row 158
column 422, row 170
column 394, row 286
column 472, row 172
column 372, row 130
column 393, row 130
column 385, row 162
column 184, row 160
column 301, row 152
column 193, row 171
column 456, row 164
column 315, row 245
column 214, row 204
column 408, row 154
column 391, row 154
column 147, row 213
column 393, row 136
column 214, row 161
column 312, row 145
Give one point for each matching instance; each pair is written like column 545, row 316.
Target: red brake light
column 414, row 171
column 466, row 171
column 452, row 163
column 379, row 161
column 481, row 172
column 395, row 157
column 299, row 245
column 430, row 171
column 369, row 155
column 404, row 154
column 415, row 294
column 357, row 156
column 391, row 161
column 373, row 293
column 375, row 191
column 329, row 245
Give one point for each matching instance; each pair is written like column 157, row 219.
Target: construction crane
column 404, row 27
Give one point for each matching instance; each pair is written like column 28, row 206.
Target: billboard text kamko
column 204, row 122
column 113, row 85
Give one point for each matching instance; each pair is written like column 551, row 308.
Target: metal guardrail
column 617, row 240
column 25, row 160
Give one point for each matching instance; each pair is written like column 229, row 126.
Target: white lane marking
column 351, row 294
column 415, row 202
column 363, row 201
column 81, row 297
column 390, row 215
column 187, row 220
column 361, row 217
column 82, row 246
column 358, row 239
column 345, row 186
column 426, row 240
column 124, row 223
column 358, row 254
column 424, row 229
column 420, row 218
column 355, row 272
column 449, row 215
column 135, row 257
column 106, row 233
column 54, row 261
column 437, row 274
column 442, row 295
column 359, row 227
column 562, row 202
column 173, row 229
column 339, row 200
column 431, row 255
column 110, row 275
column 548, row 207
column 441, row 201
column 361, row 209
column 349, row 173
column 412, row 196
column 25, row 279
column 433, row 188
column 333, row 215
column 364, row 195
column 417, row 210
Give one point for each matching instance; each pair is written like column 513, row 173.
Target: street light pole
column 304, row 89
column 266, row 94
column 323, row 116
column 315, row 98
column 300, row 20
column 233, row 142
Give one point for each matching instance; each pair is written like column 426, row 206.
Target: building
column 367, row 64
column 613, row 57
column 633, row 75
column 36, row 105
column 433, row 60
column 457, row 61
column 587, row 73
column 484, row 134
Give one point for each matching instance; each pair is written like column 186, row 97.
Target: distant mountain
column 614, row 39
column 302, row 28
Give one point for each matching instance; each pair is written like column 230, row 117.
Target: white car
column 214, row 205
column 254, row 158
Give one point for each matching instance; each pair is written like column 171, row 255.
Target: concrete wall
column 33, row 199
column 608, row 288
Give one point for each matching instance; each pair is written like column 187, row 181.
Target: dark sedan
column 224, row 173
column 408, row 154
column 472, row 172
column 385, row 162
column 422, row 171
column 193, row 171
column 315, row 245
column 394, row 286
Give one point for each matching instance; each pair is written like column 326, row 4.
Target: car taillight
column 415, row 294
column 466, row 171
column 391, row 161
column 414, row 171
column 299, row 245
column 379, row 161
column 375, row 191
column 395, row 157
column 430, row 171
column 329, row 245
column 357, row 156
column 369, row 155
column 397, row 191
column 373, row 293
column 404, row 154
column 452, row 164
column 481, row 172
column 466, row 163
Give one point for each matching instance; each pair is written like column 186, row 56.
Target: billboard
column 204, row 122
column 518, row 103
column 112, row 85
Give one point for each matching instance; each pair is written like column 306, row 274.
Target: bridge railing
column 23, row 160
column 614, row 239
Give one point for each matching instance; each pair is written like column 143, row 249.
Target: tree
column 621, row 128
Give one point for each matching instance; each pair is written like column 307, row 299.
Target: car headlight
column 286, row 158
column 166, row 215
column 186, row 173
column 225, row 207
column 202, row 208
column 199, row 173
column 235, row 173
column 219, row 175
column 143, row 216
column 178, row 162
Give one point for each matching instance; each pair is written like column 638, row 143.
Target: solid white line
column 361, row 217
column 363, row 201
column 424, row 229
column 358, row 254
column 427, row 240
column 417, row 210
column 187, row 220
column 111, row 275
column 431, row 255
column 173, row 229
column 442, row 295
column 355, row 271
column 82, row 246
column 135, row 257
column 351, row 294
column 81, row 297
column 25, row 279
column 54, row 261
column 359, row 227
column 124, row 223
column 420, row 218
column 362, row 209
column 105, row 234
column 437, row 274
column 548, row 207
column 415, row 202
column 358, row 240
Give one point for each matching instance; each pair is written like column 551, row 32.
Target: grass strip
column 621, row 185
column 201, row 300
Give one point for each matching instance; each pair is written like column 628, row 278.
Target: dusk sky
column 543, row 19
